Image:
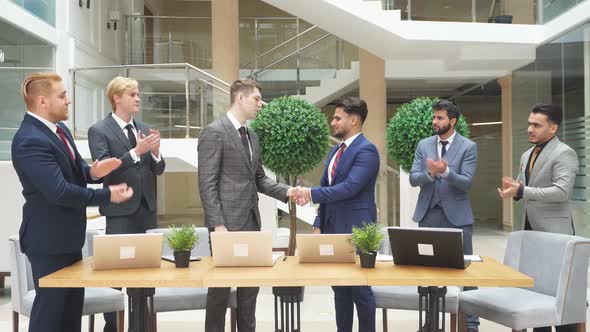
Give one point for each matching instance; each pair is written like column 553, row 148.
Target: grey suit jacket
column 106, row 139
column 228, row 181
column 454, row 189
column 551, row 183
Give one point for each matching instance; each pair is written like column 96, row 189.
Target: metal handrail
column 291, row 54
column 278, row 46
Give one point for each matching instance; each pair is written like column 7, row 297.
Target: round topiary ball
column 411, row 124
column 294, row 135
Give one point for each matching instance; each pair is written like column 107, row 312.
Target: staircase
column 329, row 89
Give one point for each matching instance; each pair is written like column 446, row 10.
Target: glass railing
column 44, row 10
column 169, row 39
column 176, row 99
column 550, row 9
column 301, row 60
column 493, row 11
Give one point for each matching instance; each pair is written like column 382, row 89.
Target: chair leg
column 581, row 327
column 233, row 319
column 121, row 321
column 513, row 330
column 384, row 319
column 453, row 322
column 14, row 321
column 155, row 321
column 91, row 323
column 462, row 326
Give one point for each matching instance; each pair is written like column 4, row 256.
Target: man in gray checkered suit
column 230, row 177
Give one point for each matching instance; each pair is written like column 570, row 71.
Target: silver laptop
column 127, row 251
column 325, row 248
column 242, row 248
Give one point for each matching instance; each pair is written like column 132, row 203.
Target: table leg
column 433, row 299
column 141, row 305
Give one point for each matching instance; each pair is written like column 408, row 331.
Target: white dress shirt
column 347, row 143
column 439, row 150
column 237, row 126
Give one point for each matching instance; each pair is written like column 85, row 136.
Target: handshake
column 299, row 195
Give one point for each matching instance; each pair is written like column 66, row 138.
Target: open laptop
column 242, row 248
column 442, row 247
column 325, row 248
column 127, row 251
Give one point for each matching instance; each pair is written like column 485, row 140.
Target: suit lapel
column 52, row 136
column 454, row 148
column 542, row 157
column 233, row 135
column 117, row 131
column 348, row 155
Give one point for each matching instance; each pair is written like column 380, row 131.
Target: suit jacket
column 350, row 199
column 106, row 139
column 551, row 183
column 228, row 181
column 454, row 189
column 54, row 188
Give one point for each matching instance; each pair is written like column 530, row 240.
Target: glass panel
column 455, row 10
column 553, row 8
column 156, row 39
column 23, row 54
column 43, row 9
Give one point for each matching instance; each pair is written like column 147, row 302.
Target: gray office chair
column 178, row 299
column 559, row 265
column 96, row 300
column 406, row 297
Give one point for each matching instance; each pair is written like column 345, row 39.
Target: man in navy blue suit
column 54, row 178
column 347, row 198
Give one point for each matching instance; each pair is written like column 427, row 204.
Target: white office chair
column 96, row 300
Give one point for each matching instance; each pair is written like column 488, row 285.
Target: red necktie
column 61, row 135
column 338, row 155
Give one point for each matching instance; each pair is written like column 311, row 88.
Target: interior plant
column 367, row 240
column 182, row 240
column 412, row 123
column 294, row 137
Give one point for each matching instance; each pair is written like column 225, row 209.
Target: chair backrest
column 559, row 265
column 201, row 249
column 21, row 276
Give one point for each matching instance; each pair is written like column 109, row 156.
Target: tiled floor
column 317, row 310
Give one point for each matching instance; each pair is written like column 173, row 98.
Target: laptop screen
column 424, row 246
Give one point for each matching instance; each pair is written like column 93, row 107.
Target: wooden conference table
column 140, row 283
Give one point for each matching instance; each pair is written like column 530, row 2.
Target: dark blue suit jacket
column 54, row 188
column 350, row 199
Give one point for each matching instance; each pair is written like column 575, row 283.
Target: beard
column 442, row 130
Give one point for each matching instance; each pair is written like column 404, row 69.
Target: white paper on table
column 473, row 258
column 384, row 258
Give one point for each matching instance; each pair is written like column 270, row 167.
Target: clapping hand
column 147, row 143
column 120, row 193
column 509, row 188
column 102, row 168
column 155, row 147
column 436, row 167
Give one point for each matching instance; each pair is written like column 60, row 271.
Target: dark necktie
column 62, row 136
column 130, row 135
column 244, row 138
column 443, row 151
column 338, row 155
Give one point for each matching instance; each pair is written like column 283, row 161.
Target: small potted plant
column 182, row 240
column 367, row 240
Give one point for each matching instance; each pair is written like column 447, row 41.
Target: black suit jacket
column 106, row 139
column 54, row 188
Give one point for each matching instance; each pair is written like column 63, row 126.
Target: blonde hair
column 117, row 86
column 38, row 84
column 243, row 86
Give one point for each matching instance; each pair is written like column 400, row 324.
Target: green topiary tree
column 294, row 137
column 411, row 124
